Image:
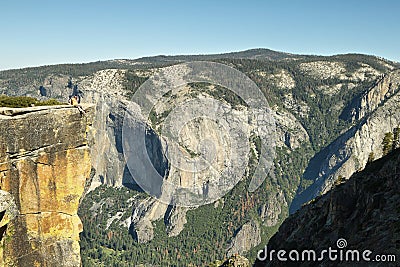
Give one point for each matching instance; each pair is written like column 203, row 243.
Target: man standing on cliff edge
column 74, row 101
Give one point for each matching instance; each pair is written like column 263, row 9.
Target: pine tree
column 396, row 138
column 387, row 143
column 371, row 157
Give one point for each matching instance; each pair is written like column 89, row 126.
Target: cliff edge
column 44, row 164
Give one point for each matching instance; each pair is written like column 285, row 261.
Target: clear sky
column 48, row 32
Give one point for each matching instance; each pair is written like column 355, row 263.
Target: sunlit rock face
column 44, row 164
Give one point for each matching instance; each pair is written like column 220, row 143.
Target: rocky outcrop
column 145, row 212
column 44, row 163
column 363, row 211
column 270, row 211
column 247, row 237
column 175, row 220
column 289, row 131
column 105, row 90
column 349, row 153
column 385, row 87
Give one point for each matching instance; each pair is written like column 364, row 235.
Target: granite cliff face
column 44, row 165
column 350, row 151
column 144, row 214
column 386, row 86
column 364, row 211
column 105, row 90
column 248, row 236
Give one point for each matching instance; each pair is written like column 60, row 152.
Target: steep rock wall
column 349, row 152
column 363, row 210
column 384, row 88
column 44, row 164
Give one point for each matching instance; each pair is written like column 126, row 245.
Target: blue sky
column 48, row 32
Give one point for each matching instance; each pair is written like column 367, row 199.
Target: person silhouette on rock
column 75, row 101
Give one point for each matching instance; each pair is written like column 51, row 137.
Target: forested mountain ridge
column 319, row 104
